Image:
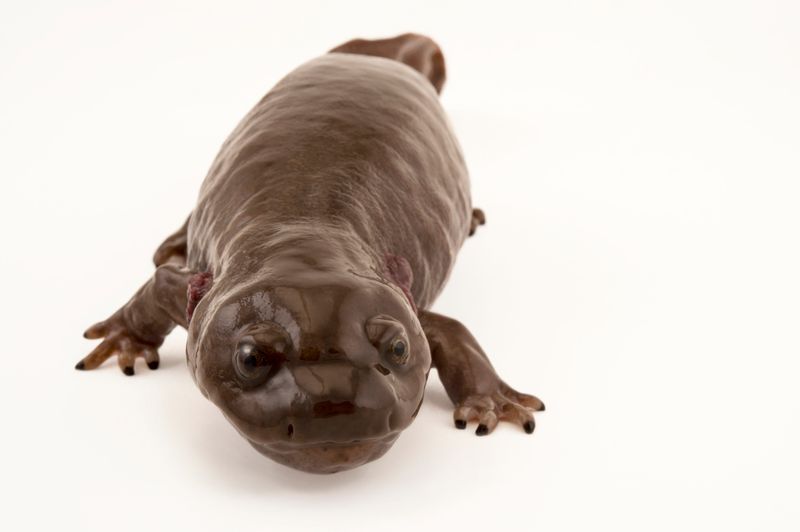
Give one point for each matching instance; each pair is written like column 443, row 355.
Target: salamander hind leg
column 173, row 249
column 478, row 218
column 471, row 382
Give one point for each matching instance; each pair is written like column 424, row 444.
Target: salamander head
column 319, row 375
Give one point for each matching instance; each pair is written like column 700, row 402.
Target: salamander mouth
column 325, row 456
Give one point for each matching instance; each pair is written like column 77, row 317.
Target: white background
column 638, row 163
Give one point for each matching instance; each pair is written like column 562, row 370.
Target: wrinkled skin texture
column 326, row 227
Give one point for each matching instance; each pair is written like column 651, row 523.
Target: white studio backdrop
column 638, row 164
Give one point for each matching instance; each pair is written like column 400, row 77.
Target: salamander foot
column 117, row 340
column 505, row 404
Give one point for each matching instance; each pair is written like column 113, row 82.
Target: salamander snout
column 324, row 416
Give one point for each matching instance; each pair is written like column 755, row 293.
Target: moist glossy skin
column 352, row 150
column 340, row 139
column 326, row 227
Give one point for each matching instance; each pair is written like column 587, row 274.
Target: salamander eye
column 389, row 337
column 260, row 353
column 251, row 363
column 398, row 350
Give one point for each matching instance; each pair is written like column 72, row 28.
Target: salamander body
column 323, row 232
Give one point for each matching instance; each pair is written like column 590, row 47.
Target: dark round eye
column 398, row 350
column 251, row 363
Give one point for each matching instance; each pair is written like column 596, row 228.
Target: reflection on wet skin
column 329, row 408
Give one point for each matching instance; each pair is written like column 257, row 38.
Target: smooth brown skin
column 325, row 229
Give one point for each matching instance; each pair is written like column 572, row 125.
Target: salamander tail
column 417, row 51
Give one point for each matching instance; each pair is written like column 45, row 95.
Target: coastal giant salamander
column 323, row 232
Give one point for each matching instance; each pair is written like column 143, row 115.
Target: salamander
column 323, row 232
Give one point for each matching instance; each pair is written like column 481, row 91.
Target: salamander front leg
column 470, row 380
column 138, row 328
